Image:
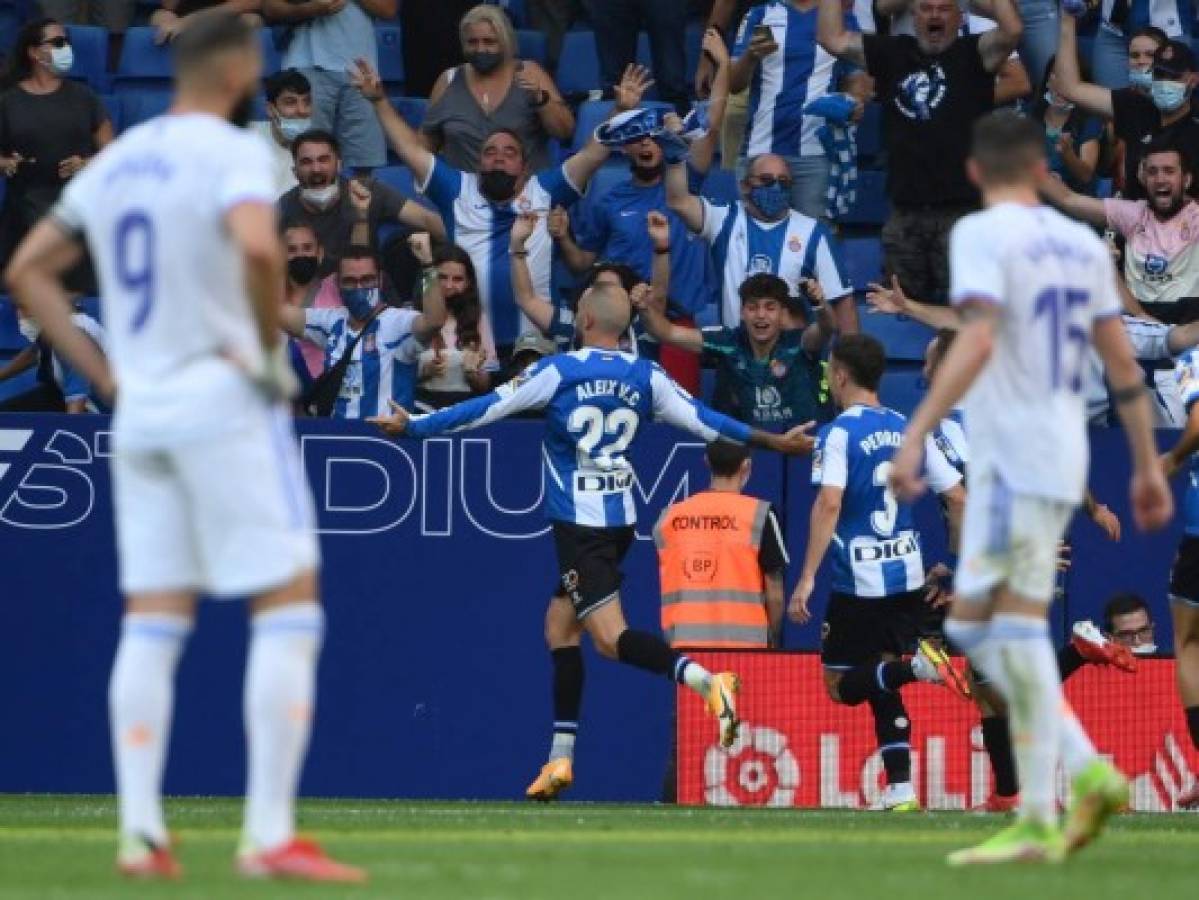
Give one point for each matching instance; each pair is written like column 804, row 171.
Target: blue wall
column 434, row 679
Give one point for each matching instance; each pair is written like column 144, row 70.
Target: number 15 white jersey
column 1051, row 279
column 152, row 207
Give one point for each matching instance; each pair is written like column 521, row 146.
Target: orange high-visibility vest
column 713, row 590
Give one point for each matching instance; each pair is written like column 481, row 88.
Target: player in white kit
column 208, row 491
column 1034, row 290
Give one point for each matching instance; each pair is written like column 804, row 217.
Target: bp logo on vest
column 921, row 93
column 758, row 770
column 699, row 566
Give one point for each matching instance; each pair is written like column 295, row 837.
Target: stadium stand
column 90, row 44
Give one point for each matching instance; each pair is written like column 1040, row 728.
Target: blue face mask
column 359, row 302
column 1168, row 96
column 1141, row 81
column 293, row 128
column 770, row 201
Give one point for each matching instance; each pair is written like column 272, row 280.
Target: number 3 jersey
column 153, row 206
column 594, row 401
column 876, row 550
column 1050, row 279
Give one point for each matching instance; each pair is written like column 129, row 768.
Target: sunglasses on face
column 57, row 42
column 783, row 181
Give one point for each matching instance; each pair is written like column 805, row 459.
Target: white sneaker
column 899, row 798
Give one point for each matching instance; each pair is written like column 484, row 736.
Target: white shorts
column 229, row 516
column 1010, row 539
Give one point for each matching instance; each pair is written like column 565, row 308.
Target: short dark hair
column 1150, row 31
column 864, row 357
column 623, row 271
column 299, row 223
column 1164, row 144
column 520, row 142
column 764, row 286
column 1122, row 605
column 359, row 251
column 1005, row 144
column 725, row 458
column 288, row 80
column 315, row 136
column 209, row 35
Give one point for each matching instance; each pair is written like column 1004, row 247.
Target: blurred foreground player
column 208, row 490
column 1034, row 290
column 595, row 400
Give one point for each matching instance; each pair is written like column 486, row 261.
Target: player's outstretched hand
column 906, row 483
column 364, row 77
column 1108, row 521
column 891, row 300
column 797, row 441
column 393, row 425
column 797, row 609
column 1152, row 501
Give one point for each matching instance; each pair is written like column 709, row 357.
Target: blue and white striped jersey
column 482, row 229
column 799, row 72
column 950, row 436
column 1186, row 372
column 797, row 247
column 1175, row 17
column 594, row 401
column 371, row 378
column 876, row 550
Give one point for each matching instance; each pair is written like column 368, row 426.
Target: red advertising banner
column 798, row 748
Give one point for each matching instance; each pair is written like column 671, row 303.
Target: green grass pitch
column 62, row 847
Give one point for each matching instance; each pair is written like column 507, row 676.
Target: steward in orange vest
column 721, row 560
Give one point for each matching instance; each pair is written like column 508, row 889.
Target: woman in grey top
column 493, row 90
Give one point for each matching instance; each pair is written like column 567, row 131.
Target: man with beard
column 344, row 212
column 479, row 209
column 1161, row 258
column 933, row 87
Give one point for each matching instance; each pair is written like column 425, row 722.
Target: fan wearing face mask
column 49, row 127
column 1071, row 136
column 1138, row 115
column 289, row 115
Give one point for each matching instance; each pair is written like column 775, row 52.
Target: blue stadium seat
column 10, row 24
column 90, row 45
column 400, row 179
column 112, row 104
column 904, row 338
column 18, row 384
column 142, row 58
column 578, row 71
column 532, row 45
column 391, row 54
column 693, row 40
column 871, row 206
column 720, row 186
column 870, row 132
column 411, row 109
column 864, row 259
column 902, row 389
column 11, row 339
column 139, row 104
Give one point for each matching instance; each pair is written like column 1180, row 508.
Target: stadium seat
column 112, row 104
column 10, row 24
column 864, row 259
column 400, row 179
column 902, row 388
column 532, row 45
column 139, row 104
column 391, row 54
column 11, row 338
column 142, row 58
column 578, row 71
column 904, row 338
column 90, row 45
column 720, row 186
column 870, row 132
column 871, row 206
column 411, row 109
column 692, row 47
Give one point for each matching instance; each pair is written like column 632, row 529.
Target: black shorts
column 1184, row 577
column 859, row 630
column 589, row 563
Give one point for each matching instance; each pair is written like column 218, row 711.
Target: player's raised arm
column 406, row 142
column 1091, row 210
column 893, row 301
column 34, row 278
column 532, row 390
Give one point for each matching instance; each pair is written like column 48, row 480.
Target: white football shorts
column 1009, row 538
column 230, row 515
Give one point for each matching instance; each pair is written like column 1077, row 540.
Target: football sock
column 866, row 682
column 568, row 698
column 997, row 739
column 1192, row 714
column 280, row 691
column 649, row 652
column 1076, row 747
column 141, row 695
column 1035, row 703
column 893, row 730
column 1069, row 660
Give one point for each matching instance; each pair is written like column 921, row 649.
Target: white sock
column 280, row 692
column 974, row 640
column 563, row 745
column 687, row 671
column 141, row 695
column 1033, row 690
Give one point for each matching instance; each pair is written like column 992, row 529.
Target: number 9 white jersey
column 152, row 208
column 1051, row 279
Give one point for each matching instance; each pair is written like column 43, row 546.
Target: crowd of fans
column 501, row 227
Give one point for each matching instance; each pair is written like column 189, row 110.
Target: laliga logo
column 757, row 770
column 52, row 494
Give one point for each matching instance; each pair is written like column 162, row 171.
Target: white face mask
column 291, row 129
column 1144, row 649
column 61, row 59
column 30, row 330
column 322, row 197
